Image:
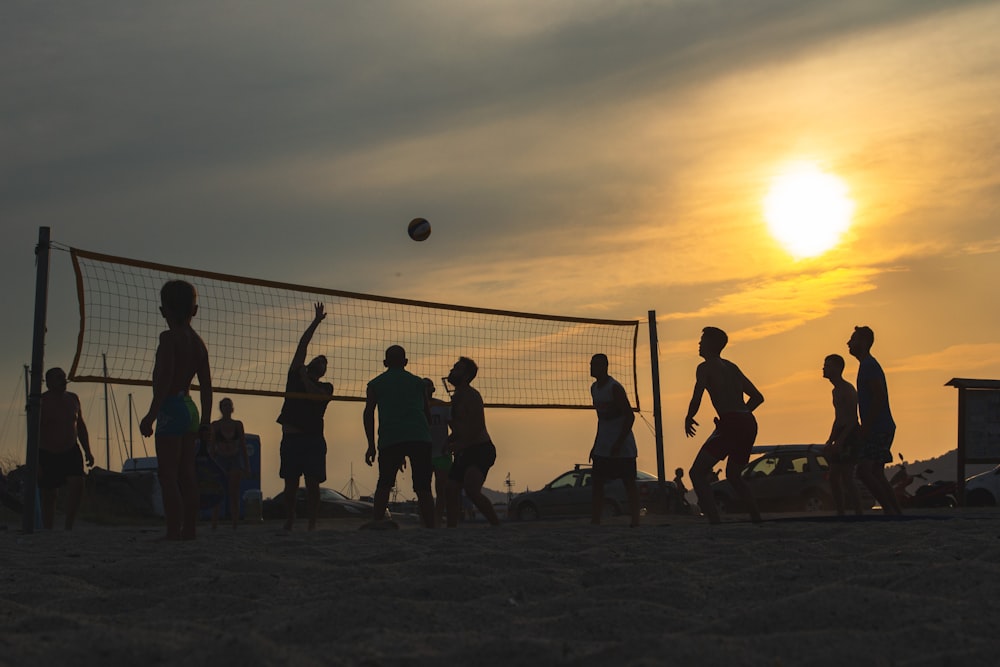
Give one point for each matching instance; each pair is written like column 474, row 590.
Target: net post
column 30, row 487
column 654, row 358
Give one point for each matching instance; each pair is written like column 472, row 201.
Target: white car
column 983, row 490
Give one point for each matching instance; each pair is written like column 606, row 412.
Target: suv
column 569, row 495
column 785, row 478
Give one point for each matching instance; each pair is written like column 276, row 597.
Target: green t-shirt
column 400, row 397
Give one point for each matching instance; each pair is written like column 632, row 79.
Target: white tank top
column 609, row 429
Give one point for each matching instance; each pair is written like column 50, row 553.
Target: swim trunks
column 391, row 458
column 442, row 463
column 607, row 468
column 55, row 467
column 481, row 456
column 847, row 452
column 303, row 455
column 178, row 416
column 733, row 437
column 877, row 447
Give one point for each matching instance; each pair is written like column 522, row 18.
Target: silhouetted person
column 474, row 451
column 877, row 426
column 180, row 356
column 679, row 481
column 735, row 428
column 403, row 433
column 441, row 459
column 614, row 451
column 229, row 451
column 303, row 445
column 845, row 436
column 60, row 464
column 680, row 501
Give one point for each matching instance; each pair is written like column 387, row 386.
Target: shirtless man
column 59, row 460
column 845, row 436
column 735, row 427
column 180, row 356
column 471, row 443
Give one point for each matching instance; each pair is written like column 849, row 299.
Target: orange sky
column 578, row 159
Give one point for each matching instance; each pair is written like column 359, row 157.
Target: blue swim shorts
column 178, row 416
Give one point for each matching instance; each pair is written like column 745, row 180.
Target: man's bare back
column 468, row 418
column 184, row 353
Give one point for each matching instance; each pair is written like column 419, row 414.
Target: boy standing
column 180, row 356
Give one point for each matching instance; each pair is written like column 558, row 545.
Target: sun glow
column 807, row 210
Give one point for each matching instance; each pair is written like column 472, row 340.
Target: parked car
column 569, row 494
column 983, row 490
column 785, row 478
column 332, row 505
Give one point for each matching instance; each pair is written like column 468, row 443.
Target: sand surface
column 793, row 591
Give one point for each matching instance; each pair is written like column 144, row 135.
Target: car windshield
column 565, row 481
column 325, row 494
column 783, row 464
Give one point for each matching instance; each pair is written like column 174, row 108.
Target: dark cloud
column 108, row 96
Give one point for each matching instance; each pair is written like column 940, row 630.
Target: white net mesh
column 252, row 327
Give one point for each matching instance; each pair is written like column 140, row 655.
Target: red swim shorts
column 733, row 437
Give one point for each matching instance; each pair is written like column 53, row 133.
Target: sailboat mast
column 107, row 421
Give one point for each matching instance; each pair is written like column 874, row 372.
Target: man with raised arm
column 303, row 445
column 59, row 460
column 614, row 451
column 735, row 427
column 403, row 433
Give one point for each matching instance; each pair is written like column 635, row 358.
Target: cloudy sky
column 580, row 158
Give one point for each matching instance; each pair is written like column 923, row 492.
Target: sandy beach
column 796, row 590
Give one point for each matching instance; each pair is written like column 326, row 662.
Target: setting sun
column 807, row 210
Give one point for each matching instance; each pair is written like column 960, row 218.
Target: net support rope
column 252, row 328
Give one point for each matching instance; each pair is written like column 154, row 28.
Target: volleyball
column 419, row 229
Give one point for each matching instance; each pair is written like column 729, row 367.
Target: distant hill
column 495, row 496
column 943, row 467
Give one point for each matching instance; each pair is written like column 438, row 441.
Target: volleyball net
column 252, row 328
